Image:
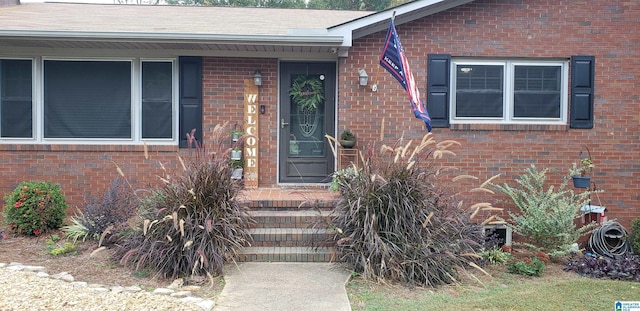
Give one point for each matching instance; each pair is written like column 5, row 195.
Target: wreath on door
column 306, row 92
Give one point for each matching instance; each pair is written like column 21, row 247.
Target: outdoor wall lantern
column 363, row 77
column 257, row 78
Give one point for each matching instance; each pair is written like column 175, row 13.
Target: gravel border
column 31, row 288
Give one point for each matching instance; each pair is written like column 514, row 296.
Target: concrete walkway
column 284, row 286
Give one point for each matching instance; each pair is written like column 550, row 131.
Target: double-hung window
column 88, row 101
column 509, row 91
column 16, row 99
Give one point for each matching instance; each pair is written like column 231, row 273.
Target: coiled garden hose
column 610, row 240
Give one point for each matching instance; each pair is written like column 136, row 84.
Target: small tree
column 547, row 213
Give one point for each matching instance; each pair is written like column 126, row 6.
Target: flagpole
column 375, row 78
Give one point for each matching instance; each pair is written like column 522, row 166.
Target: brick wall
column 83, row 171
column 539, row 28
column 223, row 100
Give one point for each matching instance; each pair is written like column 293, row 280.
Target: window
column 16, row 107
column 509, row 92
column 88, row 101
column 157, row 100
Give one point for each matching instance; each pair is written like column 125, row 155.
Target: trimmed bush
column 394, row 220
column 193, row 223
column 34, row 208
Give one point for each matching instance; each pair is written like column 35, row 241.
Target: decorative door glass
column 307, row 117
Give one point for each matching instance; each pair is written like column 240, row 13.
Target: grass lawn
column 556, row 290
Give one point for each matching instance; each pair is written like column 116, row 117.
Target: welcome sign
column 251, row 113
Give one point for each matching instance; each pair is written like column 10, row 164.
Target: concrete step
column 290, row 236
column 287, row 254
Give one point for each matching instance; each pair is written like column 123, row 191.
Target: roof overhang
column 379, row 21
column 323, row 42
column 320, row 43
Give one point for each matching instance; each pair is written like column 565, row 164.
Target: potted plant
column 347, row 139
column 236, row 154
column 235, row 135
column 306, row 91
column 237, row 167
column 579, row 172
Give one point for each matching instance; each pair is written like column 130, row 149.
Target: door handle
column 283, row 124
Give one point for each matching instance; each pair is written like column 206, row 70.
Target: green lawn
column 555, row 291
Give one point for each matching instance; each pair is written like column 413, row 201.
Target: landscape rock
column 163, row 291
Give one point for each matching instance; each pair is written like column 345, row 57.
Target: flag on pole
column 395, row 62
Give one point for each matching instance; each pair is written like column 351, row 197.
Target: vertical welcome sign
column 251, row 131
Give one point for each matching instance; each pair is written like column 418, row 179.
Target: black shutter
column 190, row 98
column 582, row 91
column 438, row 89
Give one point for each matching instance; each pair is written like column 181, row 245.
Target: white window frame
column 136, row 104
column 508, row 66
column 13, row 140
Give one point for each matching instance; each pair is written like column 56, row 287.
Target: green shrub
column 55, row 249
column 193, row 223
column 394, row 221
column 547, row 214
column 495, row 256
column 527, row 266
column 34, row 208
column 635, row 236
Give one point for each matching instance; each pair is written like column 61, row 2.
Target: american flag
column 395, row 61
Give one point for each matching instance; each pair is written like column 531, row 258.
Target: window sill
column 88, row 148
column 510, row 127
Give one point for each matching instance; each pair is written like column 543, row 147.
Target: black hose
column 610, row 240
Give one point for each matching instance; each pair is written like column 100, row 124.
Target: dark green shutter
column 438, row 89
column 582, row 91
column 190, row 98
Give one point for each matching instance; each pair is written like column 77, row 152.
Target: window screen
column 157, row 100
column 537, row 91
column 16, row 108
column 479, row 91
column 87, row 99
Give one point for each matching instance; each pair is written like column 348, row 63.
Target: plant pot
column 236, row 154
column 347, row 143
column 236, row 173
column 581, row 181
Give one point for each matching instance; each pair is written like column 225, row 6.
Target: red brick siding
column 504, row 29
column 223, row 100
column 82, row 171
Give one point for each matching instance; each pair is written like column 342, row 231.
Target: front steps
column 283, row 233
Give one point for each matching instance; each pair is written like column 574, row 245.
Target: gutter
column 301, row 40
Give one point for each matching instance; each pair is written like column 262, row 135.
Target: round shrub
column 34, row 208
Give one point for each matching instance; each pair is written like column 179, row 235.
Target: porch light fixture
column 257, row 78
column 363, row 77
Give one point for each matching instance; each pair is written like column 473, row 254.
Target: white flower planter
column 236, row 173
column 236, row 154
